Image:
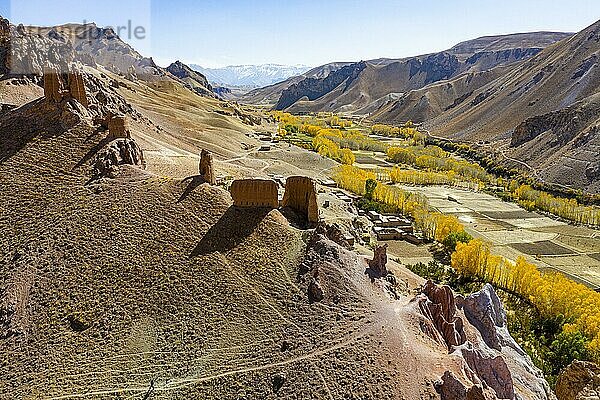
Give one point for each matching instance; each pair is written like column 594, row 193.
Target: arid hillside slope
column 122, row 274
column 140, row 285
column 544, row 110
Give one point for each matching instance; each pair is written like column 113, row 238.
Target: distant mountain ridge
column 382, row 79
column 252, row 76
column 544, row 110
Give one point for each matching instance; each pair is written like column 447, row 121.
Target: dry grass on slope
column 140, row 285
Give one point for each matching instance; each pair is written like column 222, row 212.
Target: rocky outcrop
column 206, row 168
column 439, row 307
column 28, row 54
column 434, row 67
column 301, row 196
column 592, row 172
column 222, row 92
column 5, row 49
column 579, row 381
column 193, row 80
column 232, row 109
column 379, row 261
column 487, row 372
column 490, row 370
column 490, row 59
column 315, row 291
column 119, row 152
column 561, row 122
column 335, row 233
column 313, row 88
column 485, row 312
column 254, row 193
column 451, row 388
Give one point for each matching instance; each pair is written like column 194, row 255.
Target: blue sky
column 311, row 32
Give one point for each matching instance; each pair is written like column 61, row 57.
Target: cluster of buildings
column 392, row 227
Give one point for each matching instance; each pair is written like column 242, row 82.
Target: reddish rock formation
column 118, row 127
column 579, row 381
column 440, row 308
column 451, row 388
column 254, row 193
column 315, row 291
column 206, row 168
column 301, row 196
column 379, row 261
column 491, row 370
column 486, row 373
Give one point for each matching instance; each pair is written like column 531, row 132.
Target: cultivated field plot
column 517, row 214
column 514, row 237
column 409, row 254
column 580, row 267
column 514, row 232
column 366, row 159
column 545, row 248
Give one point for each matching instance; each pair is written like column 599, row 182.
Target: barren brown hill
column 382, row 80
column 269, row 95
column 545, row 111
column 192, row 79
column 144, row 286
column 147, row 282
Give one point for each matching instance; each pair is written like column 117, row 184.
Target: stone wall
column 77, row 88
column 58, row 86
column 254, row 193
column 301, row 196
column 54, row 88
column 118, row 127
column 206, row 168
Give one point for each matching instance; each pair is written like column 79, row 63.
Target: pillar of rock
column 206, row 168
column 77, row 88
column 301, row 196
column 54, row 89
column 254, row 193
column 379, row 261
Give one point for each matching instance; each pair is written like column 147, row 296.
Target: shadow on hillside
column 20, row 126
column 195, row 181
column 235, row 226
column 92, row 152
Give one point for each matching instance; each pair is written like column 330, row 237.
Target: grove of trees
column 551, row 293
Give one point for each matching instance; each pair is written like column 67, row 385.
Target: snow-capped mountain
column 251, row 76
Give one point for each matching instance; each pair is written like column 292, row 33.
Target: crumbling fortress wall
column 301, row 196
column 5, row 46
column 77, row 88
column 118, row 127
column 206, row 168
column 254, row 193
column 54, row 90
column 58, row 87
